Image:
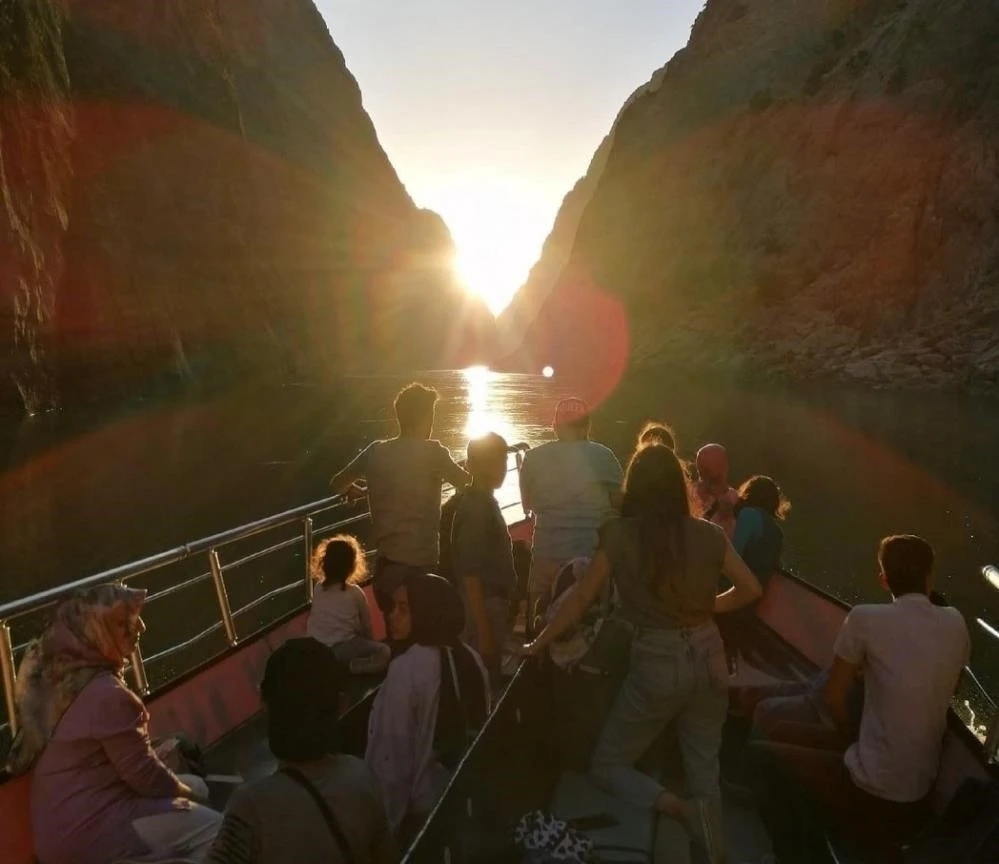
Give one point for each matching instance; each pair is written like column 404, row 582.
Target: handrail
column 169, row 556
column 302, row 516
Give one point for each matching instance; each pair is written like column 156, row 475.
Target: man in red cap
column 572, row 486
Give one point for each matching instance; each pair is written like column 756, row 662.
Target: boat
column 513, row 766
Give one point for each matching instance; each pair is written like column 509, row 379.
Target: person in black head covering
column 280, row 818
column 435, row 696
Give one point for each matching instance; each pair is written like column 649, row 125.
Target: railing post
column 9, row 675
column 223, row 597
column 139, row 672
column 309, row 586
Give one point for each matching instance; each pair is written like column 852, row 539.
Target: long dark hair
column 763, row 492
column 656, row 493
column 438, row 617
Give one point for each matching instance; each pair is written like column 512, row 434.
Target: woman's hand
column 193, row 788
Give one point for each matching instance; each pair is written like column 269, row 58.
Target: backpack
column 544, row 840
column 599, row 643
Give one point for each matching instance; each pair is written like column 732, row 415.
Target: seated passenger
column 482, row 553
column 433, row 699
column 911, row 654
column 404, row 475
column 656, row 432
column 285, row 817
column 340, row 617
column 665, row 565
column 759, row 541
column 99, row 792
column 716, row 500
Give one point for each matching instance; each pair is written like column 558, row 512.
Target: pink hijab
column 84, row 638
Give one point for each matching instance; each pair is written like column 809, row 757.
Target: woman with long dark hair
column 435, row 696
column 665, row 564
column 758, row 536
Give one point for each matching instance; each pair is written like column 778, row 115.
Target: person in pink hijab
column 716, row 500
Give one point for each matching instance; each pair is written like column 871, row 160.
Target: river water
column 79, row 494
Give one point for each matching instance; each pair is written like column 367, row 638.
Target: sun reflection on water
column 485, row 414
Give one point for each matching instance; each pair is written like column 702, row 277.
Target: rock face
column 191, row 189
column 811, row 191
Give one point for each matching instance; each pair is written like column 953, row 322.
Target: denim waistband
column 656, row 637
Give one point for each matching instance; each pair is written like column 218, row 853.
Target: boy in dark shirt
column 482, row 554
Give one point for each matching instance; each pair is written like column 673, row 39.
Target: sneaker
column 704, row 824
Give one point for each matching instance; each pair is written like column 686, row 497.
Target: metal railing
column 343, row 514
column 212, row 548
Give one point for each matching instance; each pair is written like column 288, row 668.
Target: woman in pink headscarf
column 715, row 498
column 99, row 792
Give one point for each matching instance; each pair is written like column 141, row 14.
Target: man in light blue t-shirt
column 572, row 486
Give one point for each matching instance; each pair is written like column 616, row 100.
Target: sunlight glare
column 498, row 227
column 548, row 371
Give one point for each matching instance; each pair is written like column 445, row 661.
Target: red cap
column 570, row 410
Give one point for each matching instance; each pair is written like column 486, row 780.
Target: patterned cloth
column 88, row 635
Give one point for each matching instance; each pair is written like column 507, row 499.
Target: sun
column 498, row 227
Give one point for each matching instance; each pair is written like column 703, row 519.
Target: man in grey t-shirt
column 404, row 480
column 572, row 486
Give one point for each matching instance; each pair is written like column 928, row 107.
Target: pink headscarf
column 85, row 638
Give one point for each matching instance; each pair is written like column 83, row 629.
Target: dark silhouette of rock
column 192, row 191
column 810, row 191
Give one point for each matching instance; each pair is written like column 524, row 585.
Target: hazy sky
column 490, row 111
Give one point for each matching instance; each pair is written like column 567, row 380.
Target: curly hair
column 339, row 561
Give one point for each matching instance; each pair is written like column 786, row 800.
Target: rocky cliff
column 811, row 191
column 191, row 189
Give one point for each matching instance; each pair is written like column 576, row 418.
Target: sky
column 491, row 111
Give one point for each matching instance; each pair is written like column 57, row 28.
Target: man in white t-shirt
column 572, row 486
column 911, row 653
column 404, row 483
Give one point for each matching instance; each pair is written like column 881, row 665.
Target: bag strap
column 338, row 836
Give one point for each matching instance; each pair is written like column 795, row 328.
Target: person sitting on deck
column 716, row 500
column 482, row 553
column 320, row 806
column 657, row 432
column 340, row 617
column 572, row 486
column 911, row 653
column 665, row 565
column 760, row 541
column 404, row 476
column 99, row 792
column 435, row 696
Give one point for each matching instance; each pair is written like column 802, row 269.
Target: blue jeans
column 674, row 674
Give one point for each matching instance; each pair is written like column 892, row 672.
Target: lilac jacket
column 96, row 775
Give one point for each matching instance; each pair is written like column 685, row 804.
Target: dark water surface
column 78, row 496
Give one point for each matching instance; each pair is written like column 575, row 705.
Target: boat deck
column 630, row 835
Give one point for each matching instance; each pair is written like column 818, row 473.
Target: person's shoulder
column 110, row 690
column 599, row 449
column 709, row 531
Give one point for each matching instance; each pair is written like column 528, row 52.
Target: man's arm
column 477, row 603
column 837, row 693
column 452, row 472
column 354, row 471
column 612, row 477
column 525, row 498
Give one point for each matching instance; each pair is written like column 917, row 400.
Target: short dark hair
column 907, row 562
column 481, row 450
column 657, row 432
column 414, row 404
column 301, row 689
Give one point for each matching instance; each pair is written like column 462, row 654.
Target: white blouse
column 400, row 749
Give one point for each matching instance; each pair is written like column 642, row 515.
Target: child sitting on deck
column 340, row 618
column 715, row 498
